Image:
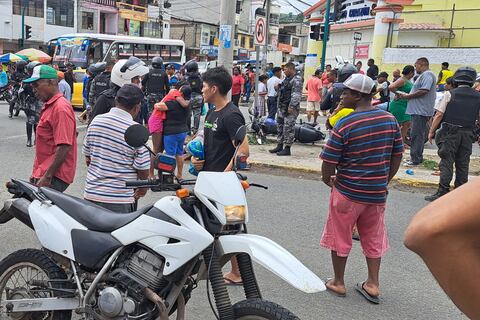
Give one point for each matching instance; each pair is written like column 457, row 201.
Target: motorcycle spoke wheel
column 16, row 284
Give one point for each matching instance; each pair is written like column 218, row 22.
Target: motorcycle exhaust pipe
column 19, row 210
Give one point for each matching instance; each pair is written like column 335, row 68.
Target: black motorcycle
column 20, row 99
column 6, row 93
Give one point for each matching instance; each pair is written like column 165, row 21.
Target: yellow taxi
column 77, row 94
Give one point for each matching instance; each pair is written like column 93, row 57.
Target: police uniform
column 195, row 81
column 156, row 86
column 456, row 136
column 98, row 85
column 290, row 94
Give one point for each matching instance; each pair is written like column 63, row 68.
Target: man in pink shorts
column 361, row 157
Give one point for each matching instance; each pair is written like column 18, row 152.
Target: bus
column 83, row 49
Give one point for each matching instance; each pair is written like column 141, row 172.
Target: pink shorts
column 155, row 125
column 343, row 215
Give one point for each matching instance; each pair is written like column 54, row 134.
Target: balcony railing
column 108, row 3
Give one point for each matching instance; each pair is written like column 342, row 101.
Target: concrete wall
column 5, row 19
column 420, row 38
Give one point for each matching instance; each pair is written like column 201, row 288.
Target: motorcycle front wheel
column 258, row 309
column 16, row 274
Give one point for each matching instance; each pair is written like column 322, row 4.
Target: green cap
column 42, row 72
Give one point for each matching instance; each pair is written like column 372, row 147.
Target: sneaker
column 411, row 164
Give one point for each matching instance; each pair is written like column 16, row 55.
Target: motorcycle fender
column 275, row 259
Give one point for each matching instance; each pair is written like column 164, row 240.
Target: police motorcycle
column 144, row 264
column 262, row 127
column 23, row 95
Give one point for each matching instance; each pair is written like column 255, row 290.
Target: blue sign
column 226, row 35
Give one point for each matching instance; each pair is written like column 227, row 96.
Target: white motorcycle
column 141, row 265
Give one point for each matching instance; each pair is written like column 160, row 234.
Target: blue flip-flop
column 359, row 287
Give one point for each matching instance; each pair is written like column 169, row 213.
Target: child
column 155, row 122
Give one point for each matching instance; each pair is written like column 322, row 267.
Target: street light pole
column 326, row 34
column 22, row 41
column 227, row 26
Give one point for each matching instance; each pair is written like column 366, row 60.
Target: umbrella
column 35, row 55
column 10, row 57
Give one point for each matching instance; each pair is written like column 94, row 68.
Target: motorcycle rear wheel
column 258, row 309
column 27, row 265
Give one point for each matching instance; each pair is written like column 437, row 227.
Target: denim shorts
column 173, row 143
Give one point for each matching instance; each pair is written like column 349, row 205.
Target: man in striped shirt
column 111, row 161
column 361, row 157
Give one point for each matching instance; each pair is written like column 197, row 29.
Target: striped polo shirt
column 112, row 160
column 361, row 146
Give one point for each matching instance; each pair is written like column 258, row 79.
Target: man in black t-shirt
column 221, row 125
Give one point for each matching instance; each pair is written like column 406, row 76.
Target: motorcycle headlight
column 234, row 214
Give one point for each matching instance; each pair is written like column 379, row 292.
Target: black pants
column 418, row 132
column 117, row 207
column 57, row 184
column 236, row 99
column 454, row 147
column 272, row 107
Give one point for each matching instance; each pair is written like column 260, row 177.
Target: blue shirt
column 3, row 78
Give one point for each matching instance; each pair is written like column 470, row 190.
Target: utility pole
column 327, row 34
column 267, row 4
column 227, row 34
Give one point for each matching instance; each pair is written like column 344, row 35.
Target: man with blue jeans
column 421, row 101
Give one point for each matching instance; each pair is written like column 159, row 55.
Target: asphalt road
column 292, row 212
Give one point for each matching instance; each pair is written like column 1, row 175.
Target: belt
column 457, row 126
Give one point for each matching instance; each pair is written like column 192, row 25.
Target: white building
column 47, row 19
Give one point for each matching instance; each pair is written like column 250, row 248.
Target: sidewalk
column 305, row 159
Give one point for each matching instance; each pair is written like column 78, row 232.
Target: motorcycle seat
column 92, row 216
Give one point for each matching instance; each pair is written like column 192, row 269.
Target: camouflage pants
column 286, row 126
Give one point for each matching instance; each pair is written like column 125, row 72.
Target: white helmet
column 125, row 70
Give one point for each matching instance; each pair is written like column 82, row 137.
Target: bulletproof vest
column 463, row 108
column 286, row 92
column 195, row 82
column 155, row 83
column 337, row 94
column 101, row 83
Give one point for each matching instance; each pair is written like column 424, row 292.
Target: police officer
column 456, row 114
column 18, row 76
column 123, row 72
column 332, row 100
column 155, row 85
column 192, row 76
column 100, row 82
column 290, row 94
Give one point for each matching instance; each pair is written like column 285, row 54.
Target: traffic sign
column 357, row 36
column 260, row 31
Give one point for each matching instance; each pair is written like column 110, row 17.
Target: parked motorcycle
column 145, row 264
column 6, row 93
column 304, row 132
column 19, row 99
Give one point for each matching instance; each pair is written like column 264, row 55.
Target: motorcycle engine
column 137, row 271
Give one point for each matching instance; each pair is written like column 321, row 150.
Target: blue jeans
column 173, row 143
column 248, row 90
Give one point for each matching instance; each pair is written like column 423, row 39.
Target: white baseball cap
column 360, row 82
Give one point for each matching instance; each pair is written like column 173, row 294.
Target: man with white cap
column 359, row 160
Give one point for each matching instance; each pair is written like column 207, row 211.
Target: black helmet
column 191, row 66
column 100, row 67
column 465, row 75
column 20, row 64
column 345, row 71
column 157, row 62
column 32, row 65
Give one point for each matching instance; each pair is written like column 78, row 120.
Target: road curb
column 415, row 183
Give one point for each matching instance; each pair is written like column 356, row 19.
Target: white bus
column 82, row 49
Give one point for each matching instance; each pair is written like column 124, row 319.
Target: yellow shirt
column 445, row 75
column 339, row 115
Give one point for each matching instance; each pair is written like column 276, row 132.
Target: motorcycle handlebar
column 142, row 183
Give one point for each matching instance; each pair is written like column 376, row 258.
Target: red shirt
column 171, row 96
column 237, row 82
column 56, row 127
